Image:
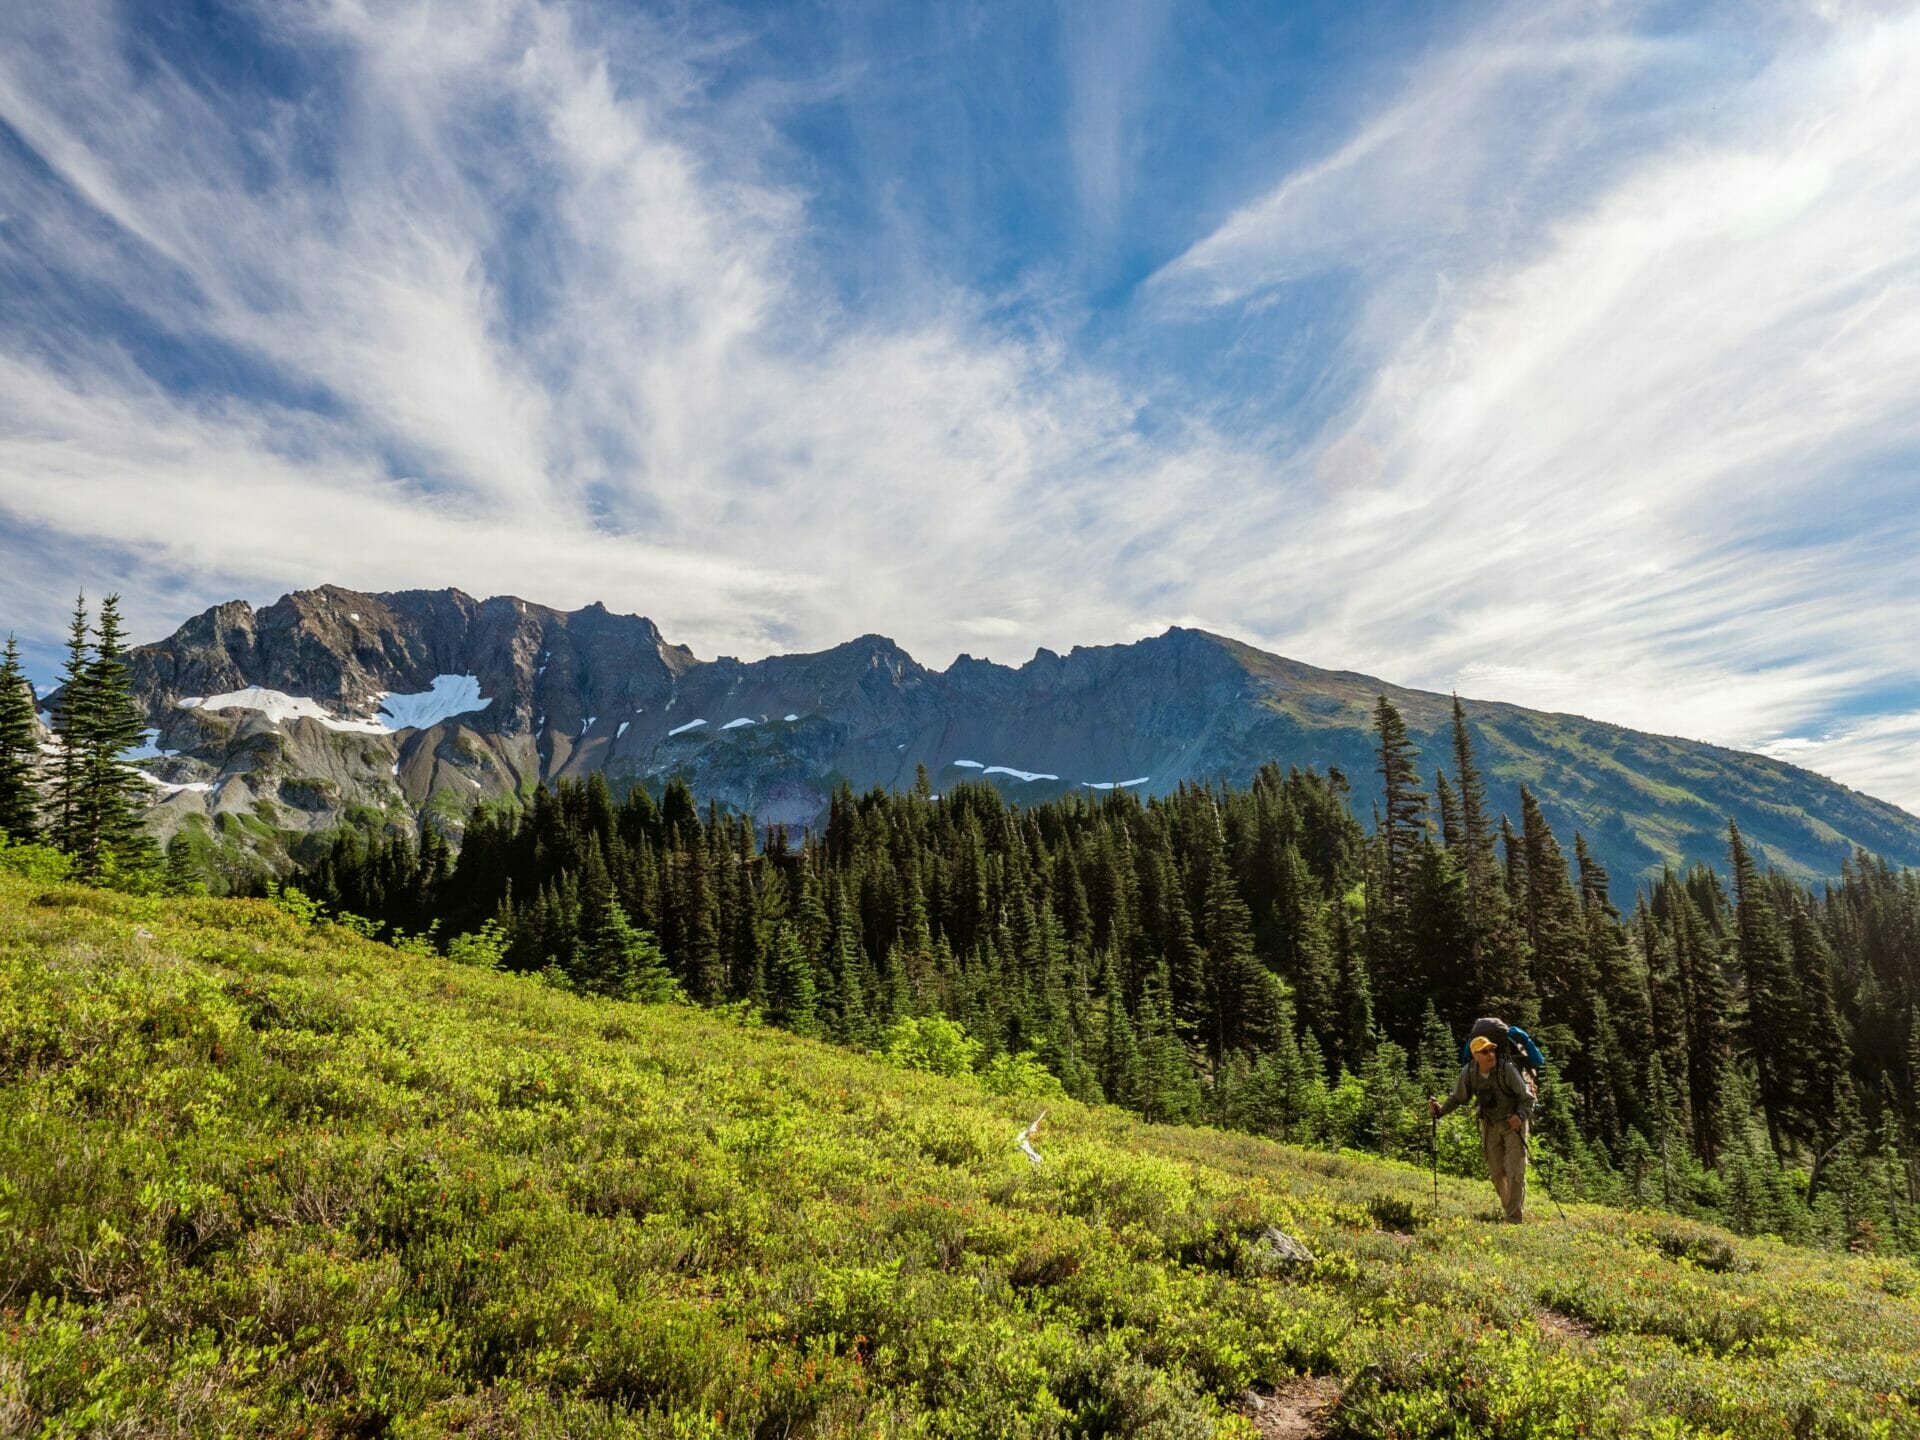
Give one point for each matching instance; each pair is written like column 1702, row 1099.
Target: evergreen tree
column 1122, row 1073
column 1498, row 957
column 1247, row 1008
column 1663, row 1123
column 1823, row 1079
column 19, row 752
column 1287, row 1093
column 100, row 801
column 1452, row 832
column 1550, row 912
column 1708, row 1006
column 182, row 876
column 1393, row 1121
column 75, row 718
column 1617, row 1005
column 1773, row 1029
column 1438, row 957
column 610, row 956
column 1439, row 1055
column 1295, row 935
column 1913, row 1068
column 1475, row 831
column 792, row 998
column 117, row 798
column 1355, row 992
column 1169, row 1093
column 1402, row 817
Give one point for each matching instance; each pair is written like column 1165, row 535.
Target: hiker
column 1505, row 1104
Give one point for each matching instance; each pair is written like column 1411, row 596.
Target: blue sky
column 1558, row 353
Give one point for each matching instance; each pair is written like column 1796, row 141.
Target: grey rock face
column 571, row 693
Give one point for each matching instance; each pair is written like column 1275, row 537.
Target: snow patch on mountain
column 279, row 707
column 1115, row 784
column 167, row 788
column 793, row 717
column 451, row 695
column 736, row 724
column 148, row 748
column 622, row 730
column 682, row 729
column 1004, row 770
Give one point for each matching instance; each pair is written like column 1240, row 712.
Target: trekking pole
column 1433, row 1148
column 1548, row 1187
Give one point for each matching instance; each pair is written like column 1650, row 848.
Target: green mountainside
column 259, row 1177
column 1642, row 801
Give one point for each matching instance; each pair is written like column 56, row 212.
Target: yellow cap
column 1479, row 1043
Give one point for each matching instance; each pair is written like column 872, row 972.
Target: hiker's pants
column 1506, row 1164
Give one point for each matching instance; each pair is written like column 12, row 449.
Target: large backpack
column 1510, row 1043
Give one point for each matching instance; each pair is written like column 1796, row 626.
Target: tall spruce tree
column 1476, row 830
column 1707, row 997
column 1497, row 946
column 19, row 752
column 792, row 996
column 1399, row 835
column 1246, row 1005
column 1773, row 1029
column 99, row 801
column 117, row 796
column 75, row 718
column 1402, row 813
column 181, row 874
column 1452, row 833
column 1551, row 913
column 609, row 955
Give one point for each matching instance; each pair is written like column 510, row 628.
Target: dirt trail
column 1562, row 1326
column 1297, row 1410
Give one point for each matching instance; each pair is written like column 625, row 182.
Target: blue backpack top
column 1513, row 1043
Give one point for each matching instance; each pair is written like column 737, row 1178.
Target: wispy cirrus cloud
column 1111, row 51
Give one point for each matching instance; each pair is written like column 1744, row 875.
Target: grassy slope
column 255, row 1179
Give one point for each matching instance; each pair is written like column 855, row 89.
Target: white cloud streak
column 1110, row 53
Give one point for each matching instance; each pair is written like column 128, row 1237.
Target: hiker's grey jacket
column 1501, row 1092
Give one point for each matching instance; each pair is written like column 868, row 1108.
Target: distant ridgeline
column 268, row 728
column 1251, row 957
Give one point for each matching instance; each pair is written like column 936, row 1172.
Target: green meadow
column 264, row 1177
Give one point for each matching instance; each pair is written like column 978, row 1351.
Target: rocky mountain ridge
column 334, row 706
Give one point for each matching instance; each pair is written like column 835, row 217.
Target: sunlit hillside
column 263, row 1178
